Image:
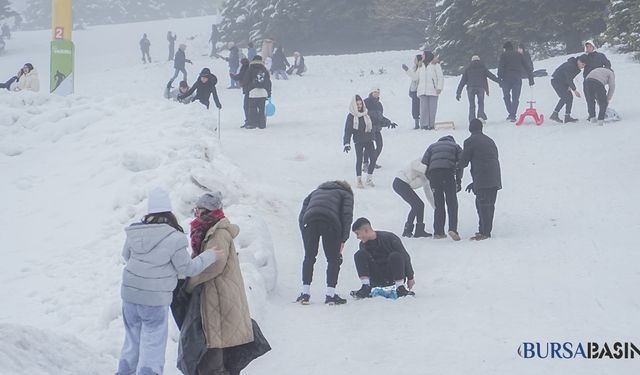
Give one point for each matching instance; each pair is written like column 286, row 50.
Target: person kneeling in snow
column 204, row 87
column 176, row 93
column 156, row 252
column 381, row 261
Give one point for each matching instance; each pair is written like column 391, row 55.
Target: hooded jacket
column 331, row 202
column 204, row 90
column 513, row 66
column 29, row 81
column 430, row 79
column 155, row 255
column 567, row 72
column 595, row 59
column 444, row 154
column 482, row 152
column 257, row 78
column 475, row 76
column 376, row 113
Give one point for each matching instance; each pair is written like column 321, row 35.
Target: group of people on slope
column 26, row 79
column 217, row 334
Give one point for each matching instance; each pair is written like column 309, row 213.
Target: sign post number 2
column 59, row 33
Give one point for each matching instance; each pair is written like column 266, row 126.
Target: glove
column 458, row 186
column 347, row 148
column 404, row 67
column 458, row 97
column 393, row 125
column 219, row 106
column 531, row 83
column 469, row 188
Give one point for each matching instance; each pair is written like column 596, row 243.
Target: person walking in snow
column 445, row 177
column 381, row 261
column 413, row 90
column 155, row 252
column 175, row 94
column 475, row 78
column 376, row 113
column 204, row 87
column 28, row 79
column 171, row 38
column 213, row 40
column 234, row 64
column 279, row 64
column 359, row 126
column 258, row 86
column 145, row 45
column 298, row 66
column 179, row 64
column 482, row 152
column 562, row 83
column 326, row 213
column 251, row 51
column 510, row 70
column 240, row 77
column 430, row 84
column 595, row 91
column 410, row 178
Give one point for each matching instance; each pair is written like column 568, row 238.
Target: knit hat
column 428, row 57
column 475, row 126
column 257, row 58
column 475, row 58
column 210, row 201
column 205, row 72
column 159, row 201
column 374, row 88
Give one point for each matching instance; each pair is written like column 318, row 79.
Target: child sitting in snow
column 174, row 94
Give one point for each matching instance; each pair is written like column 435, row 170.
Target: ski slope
column 562, row 265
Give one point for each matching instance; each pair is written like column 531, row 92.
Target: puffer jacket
column 29, row 81
column 430, row 78
column 226, row 319
column 359, row 135
column 444, row 154
column 155, row 255
column 331, row 202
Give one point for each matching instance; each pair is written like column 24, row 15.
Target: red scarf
column 199, row 227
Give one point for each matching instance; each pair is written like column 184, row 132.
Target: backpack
column 260, row 79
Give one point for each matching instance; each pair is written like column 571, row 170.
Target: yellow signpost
column 62, row 49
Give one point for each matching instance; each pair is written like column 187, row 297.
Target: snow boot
column 420, row 232
column 335, row 300
column 359, row 183
column 408, row 230
column 454, row 235
column 363, row 292
column 568, row 118
column 417, row 123
column 601, row 122
column 401, row 291
column 554, row 116
column 439, row 236
column 303, row 299
column 370, row 181
column 479, row 237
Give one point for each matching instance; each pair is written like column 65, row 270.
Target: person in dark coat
column 171, row 38
column 445, row 177
column 179, row 64
column 240, row 77
column 145, row 45
column 298, row 66
column 359, row 126
column 482, row 152
column 527, row 59
column 251, row 51
column 204, row 87
column 562, row 83
column 595, row 60
column 234, row 64
column 376, row 112
column 279, row 64
column 475, row 78
column 258, row 84
column 381, row 261
column 510, row 69
column 327, row 212
column 213, row 40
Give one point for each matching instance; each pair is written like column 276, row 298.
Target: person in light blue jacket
column 156, row 252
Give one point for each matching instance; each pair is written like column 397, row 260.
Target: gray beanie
column 210, row 201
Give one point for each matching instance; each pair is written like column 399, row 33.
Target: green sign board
column 62, row 54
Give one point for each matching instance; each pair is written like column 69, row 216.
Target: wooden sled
column 444, row 125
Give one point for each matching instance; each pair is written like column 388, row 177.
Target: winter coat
column 145, row 44
column 595, row 60
column 257, row 81
column 180, row 59
column 444, row 154
column 279, row 61
column 482, row 153
column 376, row 112
column 204, row 91
column 385, row 244
column 430, row 78
column 359, row 135
column 155, row 255
column 298, row 64
column 413, row 87
column 251, row 53
column 331, row 202
column 226, row 320
column 566, row 72
column 606, row 77
column 234, row 59
column 29, row 81
column 475, row 76
column 240, row 77
column 513, row 66
column 415, row 175
column 528, row 64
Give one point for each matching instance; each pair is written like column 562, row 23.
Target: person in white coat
column 411, row 178
column 28, row 79
column 430, row 84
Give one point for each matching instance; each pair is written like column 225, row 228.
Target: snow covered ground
column 561, row 266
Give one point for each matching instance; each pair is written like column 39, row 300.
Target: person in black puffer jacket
column 562, row 83
column 445, row 177
column 512, row 66
column 360, row 126
column 204, row 87
column 376, row 112
column 475, row 78
column 327, row 212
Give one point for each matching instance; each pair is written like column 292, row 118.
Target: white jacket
column 415, row 175
column 29, row 81
column 430, row 78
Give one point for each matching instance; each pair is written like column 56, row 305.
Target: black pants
column 175, row 74
column 377, row 139
column 511, row 88
column 486, row 205
column 245, row 107
column 594, row 91
column 415, row 105
column 443, row 185
column 311, row 234
column 212, row 362
column 566, row 98
column 145, row 55
column 409, row 195
column 380, row 273
column 472, row 93
column 257, row 117
column 7, row 85
column 362, row 150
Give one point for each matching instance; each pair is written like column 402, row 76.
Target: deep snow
column 561, row 265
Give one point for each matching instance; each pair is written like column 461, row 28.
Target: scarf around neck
column 199, row 227
column 353, row 109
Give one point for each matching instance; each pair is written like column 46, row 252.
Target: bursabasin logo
column 571, row 350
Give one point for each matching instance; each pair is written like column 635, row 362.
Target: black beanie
column 257, row 58
column 475, row 126
column 205, row 72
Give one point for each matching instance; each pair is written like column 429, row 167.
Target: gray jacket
column 155, row 255
column 606, row 77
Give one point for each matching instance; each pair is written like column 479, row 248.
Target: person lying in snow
column 175, row 94
column 25, row 79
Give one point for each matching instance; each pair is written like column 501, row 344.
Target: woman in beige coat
column 226, row 320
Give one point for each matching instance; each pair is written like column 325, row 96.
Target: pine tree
column 452, row 42
column 573, row 21
column 623, row 25
column 5, row 9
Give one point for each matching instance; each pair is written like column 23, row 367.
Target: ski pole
column 219, row 126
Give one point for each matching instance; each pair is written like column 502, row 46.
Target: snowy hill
column 561, row 266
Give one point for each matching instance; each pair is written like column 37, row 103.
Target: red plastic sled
column 531, row 112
